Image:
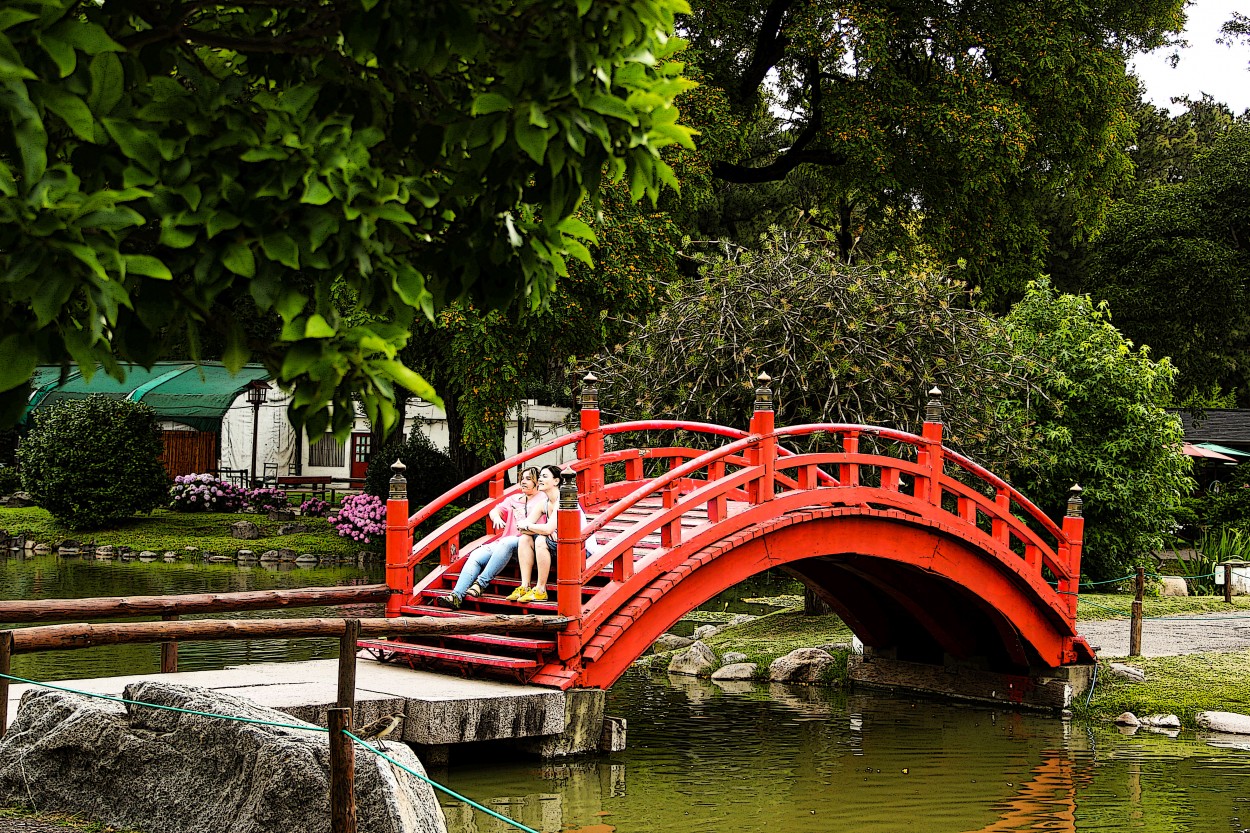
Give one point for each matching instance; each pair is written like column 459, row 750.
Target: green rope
column 439, row 786
column 305, row 728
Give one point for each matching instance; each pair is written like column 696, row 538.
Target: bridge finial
column 933, row 408
column 568, row 490
column 590, row 392
column 763, row 393
column 1074, row 501
column 399, row 483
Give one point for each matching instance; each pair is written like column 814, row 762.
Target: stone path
column 1168, row 636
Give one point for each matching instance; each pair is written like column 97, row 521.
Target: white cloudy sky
column 1205, row 67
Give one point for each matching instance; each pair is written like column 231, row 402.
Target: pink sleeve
column 513, row 510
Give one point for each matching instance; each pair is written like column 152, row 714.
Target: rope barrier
column 439, row 786
column 255, row 721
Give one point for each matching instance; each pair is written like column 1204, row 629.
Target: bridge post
column 398, row 541
column 1074, row 532
column 590, row 479
column 570, row 564
column 764, row 452
column 931, row 457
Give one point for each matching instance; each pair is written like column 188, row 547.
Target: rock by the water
column 244, row 531
column 671, row 642
column 733, row 657
column 1128, row 672
column 802, row 665
column 736, row 671
column 741, row 619
column 705, row 631
column 1162, row 721
column 136, row 767
column 269, row 555
column 1230, row 722
column 20, row 500
column 1174, row 586
column 695, row 661
column 1127, row 719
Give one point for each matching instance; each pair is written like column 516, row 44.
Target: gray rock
column 42, row 549
column 671, row 642
column 705, row 631
column 137, row 767
column 741, row 619
column 20, row 500
column 1127, row 719
column 281, row 515
column 286, row 554
column 736, row 671
column 802, row 665
column 1174, row 586
column 733, row 657
column 697, row 660
column 306, row 558
column 292, row 529
column 1128, row 672
column 1162, row 721
column 269, row 555
column 245, row 555
column 244, row 531
column 1230, row 722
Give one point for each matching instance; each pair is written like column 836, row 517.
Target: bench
column 315, row 485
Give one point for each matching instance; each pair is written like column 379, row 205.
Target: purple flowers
column 205, row 493
column 361, row 518
column 266, row 499
column 314, row 507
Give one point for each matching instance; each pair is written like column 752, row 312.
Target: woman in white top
column 536, row 536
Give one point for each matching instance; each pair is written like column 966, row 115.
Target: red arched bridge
column 918, row 549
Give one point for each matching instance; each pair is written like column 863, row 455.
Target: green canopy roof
column 1223, row 449
column 198, row 396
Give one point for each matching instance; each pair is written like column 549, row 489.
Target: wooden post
column 342, row 773
column 1228, row 583
column 6, row 658
column 1134, row 635
column 169, row 650
column 398, row 541
column 347, row 664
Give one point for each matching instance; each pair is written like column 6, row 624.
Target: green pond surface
column 735, row 757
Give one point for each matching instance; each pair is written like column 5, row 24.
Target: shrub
column 314, row 507
column 430, row 472
column 204, row 493
column 267, row 499
column 10, row 480
column 361, row 518
column 95, row 461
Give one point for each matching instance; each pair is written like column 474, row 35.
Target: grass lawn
column 165, row 530
column 12, row 818
column 1093, row 606
column 1183, row 685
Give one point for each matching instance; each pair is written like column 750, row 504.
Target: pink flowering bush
column 361, row 518
column 205, row 493
column 266, row 500
column 314, row 507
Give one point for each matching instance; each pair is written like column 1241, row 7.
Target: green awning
column 198, row 396
column 1223, row 449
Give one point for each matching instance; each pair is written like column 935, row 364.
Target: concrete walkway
column 440, row 710
column 1167, row 636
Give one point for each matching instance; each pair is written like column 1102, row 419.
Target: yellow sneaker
column 538, row 594
column 515, row 595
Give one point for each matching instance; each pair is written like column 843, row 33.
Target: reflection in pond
column 782, row 759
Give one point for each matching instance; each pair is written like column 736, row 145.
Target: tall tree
column 169, row 160
column 965, row 115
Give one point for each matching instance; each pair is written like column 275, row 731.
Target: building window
column 326, row 452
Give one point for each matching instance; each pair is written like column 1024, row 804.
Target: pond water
column 735, row 757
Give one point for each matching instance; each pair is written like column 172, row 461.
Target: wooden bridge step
column 448, row 654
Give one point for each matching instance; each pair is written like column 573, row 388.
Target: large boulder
column 137, row 767
column 1173, row 586
column 736, row 671
column 696, row 661
column 802, row 665
column 671, row 642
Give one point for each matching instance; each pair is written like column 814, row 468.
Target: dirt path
column 1167, row 636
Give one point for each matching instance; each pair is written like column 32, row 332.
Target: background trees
column 170, row 161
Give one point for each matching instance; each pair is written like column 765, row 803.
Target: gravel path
column 1169, row 636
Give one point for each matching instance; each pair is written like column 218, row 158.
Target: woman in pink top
column 485, row 562
column 537, row 532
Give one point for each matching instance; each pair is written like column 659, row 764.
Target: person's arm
column 531, row 525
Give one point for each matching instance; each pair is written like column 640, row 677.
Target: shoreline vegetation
column 204, row 533
column 1184, row 685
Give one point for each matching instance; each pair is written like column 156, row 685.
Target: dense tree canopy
column 967, row 115
column 163, row 163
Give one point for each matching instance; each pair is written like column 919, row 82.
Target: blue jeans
column 485, row 563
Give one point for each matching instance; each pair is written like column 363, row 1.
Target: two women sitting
column 528, row 522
